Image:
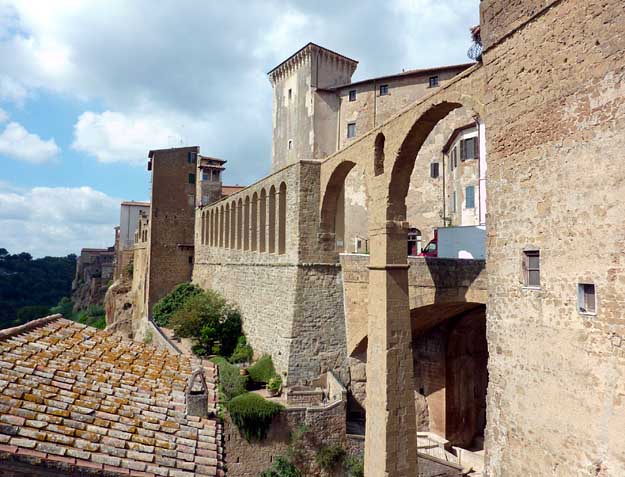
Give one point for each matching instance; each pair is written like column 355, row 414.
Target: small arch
column 272, row 219
column 240, row 224
column 378, row 155
column 282, row 219
column 233, row 225
column 215, row 228
column 330, row 203
column 262, row 226
column 227, row 227
column 203, row 233
column 221, row 226
column 254, row 227
column 246, row 224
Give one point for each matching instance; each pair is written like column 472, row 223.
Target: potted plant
column 274, row 385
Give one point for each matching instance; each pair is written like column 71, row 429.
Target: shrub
column 29, row 313
column 231, row 383
column 262, row 370
column 243, row 352
column 93, row 316
column 329, row 456
column 129, row 270
column 172, row 302
column 252, row 414
column 275, row 383
column 282, row 467
column 211, row 321
column 65, row 307
column 354, row 466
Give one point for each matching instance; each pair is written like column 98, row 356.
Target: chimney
column 197, row 394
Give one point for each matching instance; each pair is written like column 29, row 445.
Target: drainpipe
column 481, row 135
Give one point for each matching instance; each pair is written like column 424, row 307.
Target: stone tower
column 208, row 185
column 305, row 116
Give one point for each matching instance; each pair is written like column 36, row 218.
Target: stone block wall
column 555, row 118
column 285, row 298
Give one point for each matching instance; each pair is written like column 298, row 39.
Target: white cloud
column 16, row 142
column 56, row 220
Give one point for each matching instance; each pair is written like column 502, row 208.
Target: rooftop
column 136, row 203
column 77, row 399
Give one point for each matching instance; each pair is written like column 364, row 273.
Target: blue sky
column 88, row 87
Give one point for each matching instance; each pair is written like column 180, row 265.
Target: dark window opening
column 190, row 259
column 290, row 94
column 434, row 172
column 383, row 89
column 352, row 95
column 192, row 157
column 586, row 298
column 468, row 149
column 191, row 178
column 433, row 81
column 531, row 268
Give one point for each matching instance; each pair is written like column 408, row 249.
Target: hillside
column 28, row 286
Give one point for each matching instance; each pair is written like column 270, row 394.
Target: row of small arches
column 256, row 223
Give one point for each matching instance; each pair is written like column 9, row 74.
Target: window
column 191, row 178
column 205, row 176
column 190, row 259
column 191, row 200
column 468, row 149
column 383, row 89
column 470, row 197
column 434, row 170
column 290, row 94
column 351, row 130
column 453, row 202
column 191, row 157
column 586, row 299
column 531, row 268
column 352, row 95
column 433, row 81
column 453, row 159
column 290, row 144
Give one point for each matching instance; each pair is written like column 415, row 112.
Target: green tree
column 172, row 302
column 29, row 313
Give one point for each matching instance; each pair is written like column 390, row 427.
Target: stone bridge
column 437, row 288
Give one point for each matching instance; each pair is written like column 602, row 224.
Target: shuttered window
column 470, row 197
column 434, row 170
column 531, row 268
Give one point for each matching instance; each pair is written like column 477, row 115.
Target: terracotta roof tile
column 76, row 398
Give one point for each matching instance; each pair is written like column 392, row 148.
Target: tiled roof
column 76, row 399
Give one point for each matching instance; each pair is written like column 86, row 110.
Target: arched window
column 233, row 225
column 215, row 228
column 227, row 227
column 240, row 224
column 246, row 224
column 282, row 219
column 378, row 155
column 221, row 226
column 254, row 228
column 203, row 234
column 262, row 226
column 414, row 242
column 272, row 219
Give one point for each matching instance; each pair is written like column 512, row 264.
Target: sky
column 88, row 87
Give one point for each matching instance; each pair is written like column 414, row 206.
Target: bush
column 172, row 302
column 252, row 414
column 29, row 313
column 65, row 307
column 243, row 352
column 354, row 466
column 329, row 456
column 275, row 383
column 282, row 467
column 93, row 316
column 211, row 321
column 262, row 370
column 231, row 383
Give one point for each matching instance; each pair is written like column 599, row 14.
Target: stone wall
column 286, row 296
column 249, row 459
column 555, row 118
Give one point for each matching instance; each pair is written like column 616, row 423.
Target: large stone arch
column 330, row 193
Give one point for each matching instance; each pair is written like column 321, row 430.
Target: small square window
column 433, row 81
column 190, row 259
column 352, row 95
column 383, row 89
column 586, row 299
column 531, row 268
column 351, row 130
column 192, row 157
column 191, row 178
column 434, row 170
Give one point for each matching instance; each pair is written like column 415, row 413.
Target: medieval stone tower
column 304, row 115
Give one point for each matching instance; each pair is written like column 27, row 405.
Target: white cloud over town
column 56, row 220
column 17, row 143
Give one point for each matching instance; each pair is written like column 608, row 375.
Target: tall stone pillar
column 390, row 439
